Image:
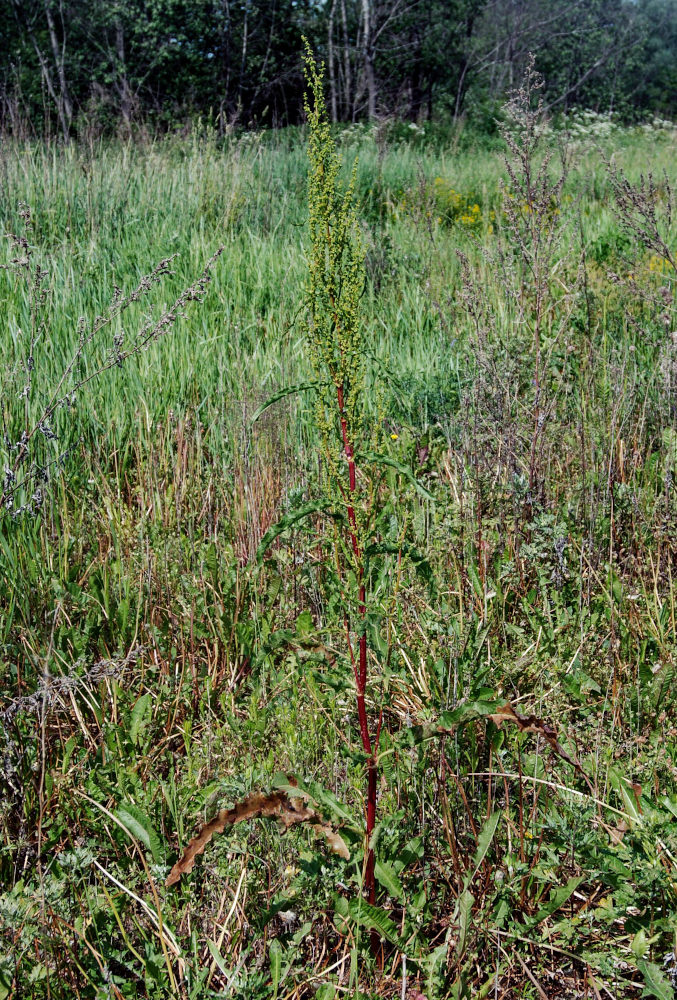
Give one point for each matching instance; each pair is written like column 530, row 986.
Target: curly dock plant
column 337, row 349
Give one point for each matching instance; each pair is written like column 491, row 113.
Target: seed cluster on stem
column 336, row 277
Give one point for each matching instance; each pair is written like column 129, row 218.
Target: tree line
column 70, row 65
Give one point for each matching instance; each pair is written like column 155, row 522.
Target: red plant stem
column 361, row 670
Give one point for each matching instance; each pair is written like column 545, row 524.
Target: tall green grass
column 106, row 216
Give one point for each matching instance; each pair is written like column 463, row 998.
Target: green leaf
column 286, row 522
column 290, row 390
column 374, row 918
column 304, row 624
column 579, row 685
column 275, row 953
column 484, row 843
column 623, row 786
column 640, row 945
column 385, row 758
column 669, row 438
column 670, row 802
column 302, row 933
column 387, row 876
column 473, row 576
column 435, row 962
column 139, row 719
column 137, row 823
column 466, row 900
column 416, row 558
column 468, row 711
column 402, row 469
column 218, row 958
column 557, row 899
column 465, row 912
column 656, row 983
column 320, row 795
column 327, row 991
column 412, row 852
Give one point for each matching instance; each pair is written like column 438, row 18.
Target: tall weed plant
column 338, row 354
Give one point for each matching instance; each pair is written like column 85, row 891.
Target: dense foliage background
column 67, row 66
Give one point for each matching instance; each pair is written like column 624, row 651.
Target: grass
column 153, row 670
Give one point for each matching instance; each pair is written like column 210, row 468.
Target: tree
column 44, row 24
column 240, row 60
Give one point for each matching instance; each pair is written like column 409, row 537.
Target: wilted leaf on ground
column 288, row 810
column 532, row 724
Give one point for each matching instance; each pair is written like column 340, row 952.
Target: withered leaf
column 287, row 809
column 532, row 724
column 616, row 833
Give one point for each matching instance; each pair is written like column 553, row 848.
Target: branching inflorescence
column 338, row 355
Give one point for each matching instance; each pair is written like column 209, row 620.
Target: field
column 173, row 633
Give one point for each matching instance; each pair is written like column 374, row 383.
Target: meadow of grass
column 156, row 664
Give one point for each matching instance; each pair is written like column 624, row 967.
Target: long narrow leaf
column 557, row 899
column 465, row 905
column 290, row 390
column 275, row 954
column 139, row 825
column 286, row 522
column 483, row 844
column 402, row 469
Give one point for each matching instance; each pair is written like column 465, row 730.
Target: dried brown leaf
column 336, row 842
column 616, row 833
column 532, row 724
column 287, row 809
